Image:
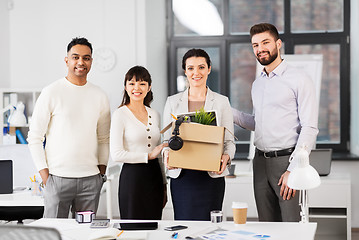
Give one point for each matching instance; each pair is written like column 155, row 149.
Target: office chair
column 113, row 172
column 21, row 232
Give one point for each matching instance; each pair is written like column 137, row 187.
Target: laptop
column 321, row 160
column 6, row 173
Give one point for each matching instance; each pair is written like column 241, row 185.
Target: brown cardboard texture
column 202, row 147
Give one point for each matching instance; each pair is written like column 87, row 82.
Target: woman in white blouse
column 134, row 140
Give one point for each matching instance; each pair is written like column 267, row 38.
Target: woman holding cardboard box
column 196, row 193
column 134, row 139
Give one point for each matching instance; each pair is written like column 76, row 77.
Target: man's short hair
column 79, row 41
column 264, row 27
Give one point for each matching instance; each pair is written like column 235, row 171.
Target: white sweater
column 130, row 139
column 76, row 122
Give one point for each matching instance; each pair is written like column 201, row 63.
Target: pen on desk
column 174, row 117
column 174, row 235
column 119, row 234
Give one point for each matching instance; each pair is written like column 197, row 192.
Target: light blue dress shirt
column 285, row 110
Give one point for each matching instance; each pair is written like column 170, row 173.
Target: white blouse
column 130, row 139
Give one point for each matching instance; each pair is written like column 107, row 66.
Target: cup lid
column 239, row 205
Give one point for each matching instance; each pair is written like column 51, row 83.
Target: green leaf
column 203, row 117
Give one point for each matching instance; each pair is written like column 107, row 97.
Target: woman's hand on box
column 224, row 161
column 157, row 150
column 166, row 157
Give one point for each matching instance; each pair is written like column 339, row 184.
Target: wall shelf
column 13, row 96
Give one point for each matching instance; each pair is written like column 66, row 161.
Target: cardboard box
column 202, row 147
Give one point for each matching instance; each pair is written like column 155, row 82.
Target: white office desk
column 21, row 205
column 20, row 198
column 71, row 230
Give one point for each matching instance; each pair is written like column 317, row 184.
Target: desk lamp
column 17, row 118
column 303, row 177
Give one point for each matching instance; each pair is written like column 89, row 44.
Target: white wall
column 40, row 31
column 350, row 166
column 157, row 50
column 4, row 45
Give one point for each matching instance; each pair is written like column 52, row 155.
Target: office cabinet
column 330, row 206
column 10, row 98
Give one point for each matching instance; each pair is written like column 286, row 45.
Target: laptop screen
column 321, row 160
column 6, row 173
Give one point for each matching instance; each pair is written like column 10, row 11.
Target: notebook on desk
column 321, row 160
column 6, row 180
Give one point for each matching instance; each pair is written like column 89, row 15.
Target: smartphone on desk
column 175, row 228
column 136, row 226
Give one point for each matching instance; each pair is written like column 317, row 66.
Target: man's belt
column 279, row 153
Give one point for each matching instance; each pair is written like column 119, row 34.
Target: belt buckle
column 265, row 156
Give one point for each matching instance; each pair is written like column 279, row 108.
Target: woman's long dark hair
column 141, row 74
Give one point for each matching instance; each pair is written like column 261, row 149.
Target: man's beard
column 269, row 60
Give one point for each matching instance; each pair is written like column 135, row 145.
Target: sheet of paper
column 233, row 235
column 60, row 226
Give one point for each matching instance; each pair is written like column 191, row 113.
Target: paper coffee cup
column 239, row 212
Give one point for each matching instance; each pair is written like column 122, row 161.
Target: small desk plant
column 203, row 117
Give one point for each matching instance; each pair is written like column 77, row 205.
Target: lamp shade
column 304, row 176
column 18, row 118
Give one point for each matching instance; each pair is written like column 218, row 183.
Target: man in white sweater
column 73, row 116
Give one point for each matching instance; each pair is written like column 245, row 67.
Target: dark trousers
column 270, row 205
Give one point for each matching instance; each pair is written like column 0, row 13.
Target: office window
column 188, row 20
column 329, row 106
column 243, row 14
column 242, row 74
column 317, row 16
column 305, row 27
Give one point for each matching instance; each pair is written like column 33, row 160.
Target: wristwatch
column 104, row 177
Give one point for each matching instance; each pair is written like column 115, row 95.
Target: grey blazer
column 178, row 103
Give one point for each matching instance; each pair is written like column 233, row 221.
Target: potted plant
column 203, row 117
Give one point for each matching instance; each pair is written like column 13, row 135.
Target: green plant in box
column 203, row 117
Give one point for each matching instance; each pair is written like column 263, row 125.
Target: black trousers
column 140, row 193
column 195, row 194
